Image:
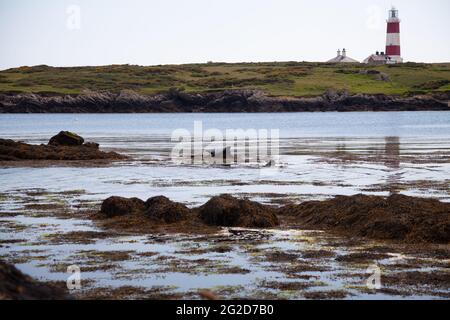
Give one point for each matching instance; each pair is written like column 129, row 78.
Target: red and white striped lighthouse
column 393, row 37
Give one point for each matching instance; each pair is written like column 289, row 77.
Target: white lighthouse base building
column 380, row 58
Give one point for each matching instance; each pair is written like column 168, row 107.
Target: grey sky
column 149, row 32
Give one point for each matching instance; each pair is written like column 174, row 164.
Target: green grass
column 279, row 79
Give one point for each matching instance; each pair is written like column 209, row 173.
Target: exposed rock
column 92, row 145
column 219, row 211
column 161, row 208
column 15, row 151
column 335, row 96
column 369, row 72
column 156, row 208
column 14, row 285
column 228, row 211
column 66, row 138
column 224, row 210
column 398, row 217
column 432, row 85
column 118, row 206
column 383, row 77
column 225, row 101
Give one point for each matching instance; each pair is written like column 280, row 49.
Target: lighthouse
column 393, row 37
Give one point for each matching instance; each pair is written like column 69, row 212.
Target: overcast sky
column 149, row 32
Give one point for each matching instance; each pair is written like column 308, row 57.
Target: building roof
column 342, row 58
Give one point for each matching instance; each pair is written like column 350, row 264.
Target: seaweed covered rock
column 14, row 285
column 228, row 211
column 161, row 208
column 66, row 138
column 18, row 151
column 92, row 145
column 398, row 217
column 118, row 206
column 156, row 208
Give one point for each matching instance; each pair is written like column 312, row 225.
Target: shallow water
column 322, row 155
column 183, row 264
column 312, row 145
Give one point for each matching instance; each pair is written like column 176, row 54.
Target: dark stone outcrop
column 161, row 208
column 92, row 145
column 224, row 101
column 398, row 217
column 228, row 211
column 64, row 146
column 66, row 138
column 224, row 210
column 157, row 208
column 14, row 285
column 118, row 206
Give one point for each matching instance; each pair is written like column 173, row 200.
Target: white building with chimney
column 342, row 58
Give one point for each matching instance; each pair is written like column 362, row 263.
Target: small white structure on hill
column 342, row 58
column 379, row 58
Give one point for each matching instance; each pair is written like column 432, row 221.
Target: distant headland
column 223, row 87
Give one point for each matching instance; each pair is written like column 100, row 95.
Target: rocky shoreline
column 250, row 101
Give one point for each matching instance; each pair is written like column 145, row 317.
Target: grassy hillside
column 280, row 79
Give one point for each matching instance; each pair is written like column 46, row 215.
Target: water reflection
column 392, row 161
column 387, row 153
column 392, row 152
